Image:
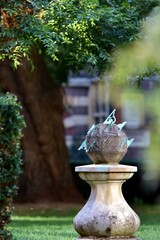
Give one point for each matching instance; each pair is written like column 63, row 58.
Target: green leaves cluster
column 77, row 31
column 11, row 125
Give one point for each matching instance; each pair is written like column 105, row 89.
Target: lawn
column 42, row 222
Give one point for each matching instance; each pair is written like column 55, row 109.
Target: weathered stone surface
column 106, row 213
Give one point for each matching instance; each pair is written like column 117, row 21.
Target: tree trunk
column 46, row 171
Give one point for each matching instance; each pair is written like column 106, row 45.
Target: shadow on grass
column 49, row 212
column 149, row 215
column 35, row 222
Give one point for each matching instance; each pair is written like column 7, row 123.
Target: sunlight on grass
column 36, row 228
column 57, row 224
column 43, row 223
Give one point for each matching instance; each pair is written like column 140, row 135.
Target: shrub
column 11, row 125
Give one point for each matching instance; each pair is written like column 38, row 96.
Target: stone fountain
column 106, row 215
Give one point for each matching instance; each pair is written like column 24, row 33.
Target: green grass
column 43, row 223
column 56, row 222
column 150, row 222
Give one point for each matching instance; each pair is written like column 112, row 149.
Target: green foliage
column 141, row 59
column 86, row 32
column 77, row 31
column 11, row 124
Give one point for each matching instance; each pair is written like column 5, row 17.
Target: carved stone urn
column 106, row 215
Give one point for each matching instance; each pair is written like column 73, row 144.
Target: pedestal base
column 118, row 238
column 106, row 212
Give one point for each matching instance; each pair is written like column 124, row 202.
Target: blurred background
column 50, row 145
column 89, row 101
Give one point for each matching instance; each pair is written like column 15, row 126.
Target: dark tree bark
column 46, row 171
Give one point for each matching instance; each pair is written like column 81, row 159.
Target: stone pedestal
column 106, row 215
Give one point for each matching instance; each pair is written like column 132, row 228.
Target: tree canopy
column 73, row 31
